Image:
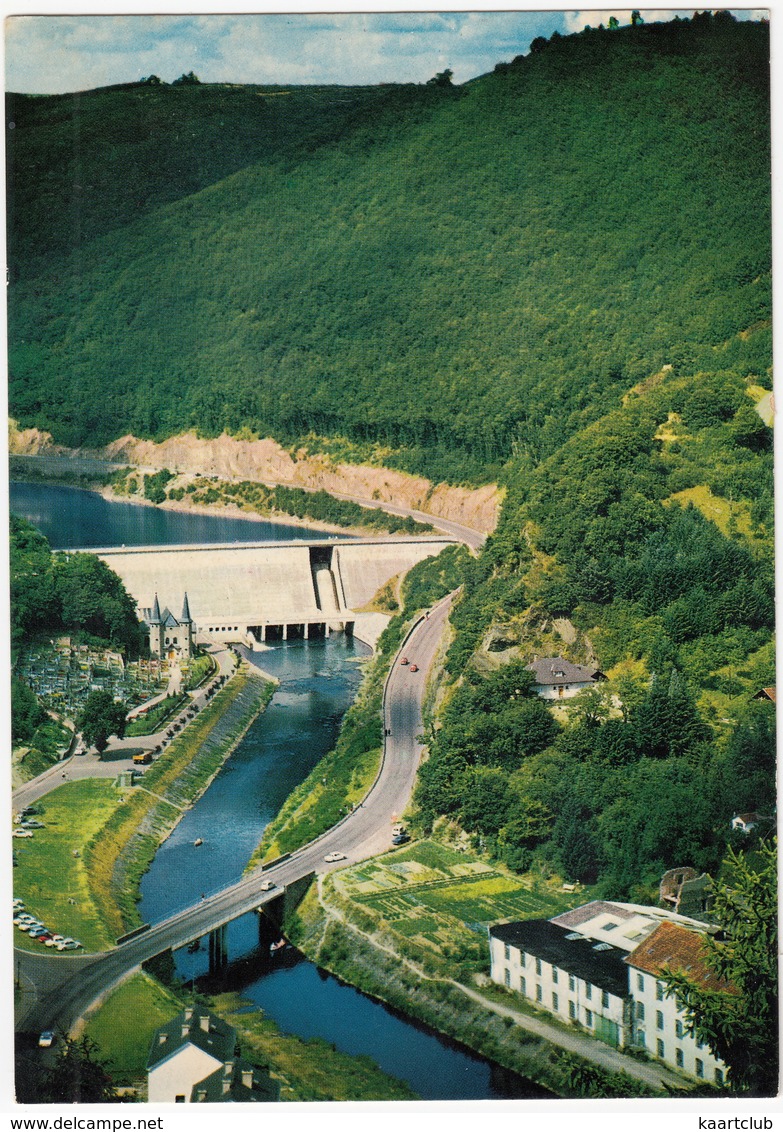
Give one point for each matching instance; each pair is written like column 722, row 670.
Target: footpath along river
column 318, row 680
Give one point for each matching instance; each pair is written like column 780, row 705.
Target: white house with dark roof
column 193, row 1059
column 184, row 1052
column 563, row 972
column 558, row 678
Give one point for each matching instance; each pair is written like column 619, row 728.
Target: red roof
column 676, row 948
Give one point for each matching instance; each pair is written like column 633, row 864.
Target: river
column 318, row 680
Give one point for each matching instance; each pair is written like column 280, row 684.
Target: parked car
column 46, row 1039
column 33, row 823
column 44, row 936
column 68, row 945
column 22, row 833
column 334, row 857
column 54, row 940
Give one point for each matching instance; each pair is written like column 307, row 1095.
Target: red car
column 414, row 668
column 403, row 660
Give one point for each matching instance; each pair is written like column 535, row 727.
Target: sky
column 53, row 54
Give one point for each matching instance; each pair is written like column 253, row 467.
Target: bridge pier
column 218, row 949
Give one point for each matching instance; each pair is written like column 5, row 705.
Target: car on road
column 46, row 1039
column 403, row 660
column 330, row 857
column 267, row 885
column 414, row 668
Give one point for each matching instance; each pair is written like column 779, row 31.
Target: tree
column 26, row 712
column 187, row 80
column 78, row 1075
column 442, row 79
column 740, row 1022
column 101, row 717
column 636, row 18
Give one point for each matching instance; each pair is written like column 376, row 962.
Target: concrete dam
column 251, row 593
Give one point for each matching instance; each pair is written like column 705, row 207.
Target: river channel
column 318, row 680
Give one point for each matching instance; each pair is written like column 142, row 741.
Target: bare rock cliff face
column 267, row 462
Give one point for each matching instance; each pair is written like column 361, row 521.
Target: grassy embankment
column 310, row 1070
column 409, row 929
column 44, row 748
column 121, row 853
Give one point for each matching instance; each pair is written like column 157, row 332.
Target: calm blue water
column 70, row 516
column 318, row 681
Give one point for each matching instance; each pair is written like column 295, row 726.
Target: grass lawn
column 124, row 1024
column 49, row 878
column 157, row 717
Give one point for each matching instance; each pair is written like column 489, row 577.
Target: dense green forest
column 557, row 277
column 54, row 592
column 461, row 274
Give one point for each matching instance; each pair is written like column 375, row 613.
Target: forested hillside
column 458, row 274
column 556, row 277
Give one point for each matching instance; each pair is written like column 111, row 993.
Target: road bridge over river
column 67, row 984
column 253, row 592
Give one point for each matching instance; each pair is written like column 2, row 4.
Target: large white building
column 600, row 966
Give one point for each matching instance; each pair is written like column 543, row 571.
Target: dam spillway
column 253, row 592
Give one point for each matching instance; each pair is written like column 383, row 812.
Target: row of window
column 679, row 1060
column 572, row 980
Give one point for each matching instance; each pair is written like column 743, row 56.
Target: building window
column 640, row 1012
column 659, row 991
column 605, row 999
column 522, row 958
column 678, row 1028
column 588, row 990
column 699, row 1067
column 661, row 1048
column 719, row 1077
column 588, row 1017
column 507, row 977
column 679, row 1058
column 523, row 985
column 539, row 995
column 641, row 1040
column 506, row 952
column 640, row 982
column 571, row 982
column 572, row 1011
column 699, row 1044
column 554, row 974
column 659, row 1019
column 538, row 966
column 555, row 1002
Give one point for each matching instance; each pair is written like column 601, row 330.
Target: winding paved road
column 67, row 985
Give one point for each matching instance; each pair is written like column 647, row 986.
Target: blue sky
column 58, row 53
